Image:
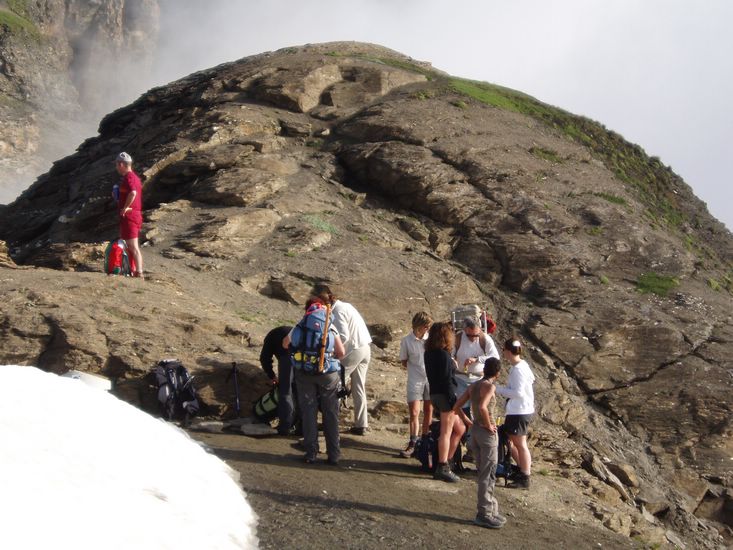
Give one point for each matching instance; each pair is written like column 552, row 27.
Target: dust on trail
column 375, row 500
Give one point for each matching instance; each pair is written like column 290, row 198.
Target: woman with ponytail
column 519, row 409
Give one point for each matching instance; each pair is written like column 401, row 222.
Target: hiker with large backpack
column 484, row 441
column 440, row 368
column 315, row 349
column 283, row 380
column 129, row 197
column 473, row 347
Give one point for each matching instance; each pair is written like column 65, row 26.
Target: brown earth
column 354, row 164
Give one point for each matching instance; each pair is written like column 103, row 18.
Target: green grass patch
column 247, row 317
column 603, row 279
column 460, row 104
column 651, row 283
column 18, row 24
column 322, row 225
column 595, row 230
column 546, row 154
column 714, row 284
column 615, row 199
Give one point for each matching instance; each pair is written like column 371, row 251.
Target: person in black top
column 272, row 347
column 440, row 368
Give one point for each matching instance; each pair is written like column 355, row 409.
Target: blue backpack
column 312, row 343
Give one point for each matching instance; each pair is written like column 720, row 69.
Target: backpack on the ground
column 426, row 451
column 312, row 343
column 117, row 260
column 176, row 393
column 265, row 408
column 504, row 466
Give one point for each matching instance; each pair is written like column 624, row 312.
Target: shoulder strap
column 482, row 341
column 458, row 340
column 324, row 339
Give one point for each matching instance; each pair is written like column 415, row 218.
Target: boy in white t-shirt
column 412, row 350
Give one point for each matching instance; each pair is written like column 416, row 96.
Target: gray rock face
column 355, row 165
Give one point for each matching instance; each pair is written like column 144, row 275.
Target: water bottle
column 116, row 192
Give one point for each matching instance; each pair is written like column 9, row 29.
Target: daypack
column 458, row 314
column 265, row 408
column 176, row 394
column 312, row 343
column 504, row 466
column 116, row 259
column 426, row 451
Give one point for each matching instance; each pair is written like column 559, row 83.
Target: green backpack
column 265, row 408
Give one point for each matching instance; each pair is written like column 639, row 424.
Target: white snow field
column 80, row 469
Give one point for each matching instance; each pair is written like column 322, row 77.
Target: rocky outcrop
column 62, row 66
column 406, row 190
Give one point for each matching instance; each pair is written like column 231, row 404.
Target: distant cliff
column 63, row 64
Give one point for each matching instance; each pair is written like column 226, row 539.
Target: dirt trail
column 375, row 499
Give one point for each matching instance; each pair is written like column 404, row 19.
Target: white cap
column 124, row 157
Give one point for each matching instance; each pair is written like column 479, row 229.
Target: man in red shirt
column 130, row 204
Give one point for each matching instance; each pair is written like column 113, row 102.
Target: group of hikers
column 450, row 374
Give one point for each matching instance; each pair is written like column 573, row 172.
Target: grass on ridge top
column 656, row 284
column 15, row 20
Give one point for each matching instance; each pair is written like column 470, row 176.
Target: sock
column 413, row 438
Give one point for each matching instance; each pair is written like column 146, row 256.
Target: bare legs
column 520, row 453
column 452, row 429
column 134, row 247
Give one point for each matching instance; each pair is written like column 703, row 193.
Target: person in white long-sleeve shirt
column 519, row 408
column 356, row 339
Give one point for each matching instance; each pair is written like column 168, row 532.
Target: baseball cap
column 124, row 157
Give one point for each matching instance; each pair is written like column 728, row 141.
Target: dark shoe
column 333, row 461
column 520, row 481
column 409, row 452
column 354, row 430
column 488, row 522
column 443, row 473
column 309, row 459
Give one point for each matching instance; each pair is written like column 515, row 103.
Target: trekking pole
column 236, row 388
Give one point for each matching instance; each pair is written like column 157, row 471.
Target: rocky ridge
column 407, row 190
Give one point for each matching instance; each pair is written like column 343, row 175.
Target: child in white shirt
column 412, row 350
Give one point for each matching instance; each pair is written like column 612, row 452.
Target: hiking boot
column 333, row 461
column 409, row 452
column 498, row 517
column 519, row 481
column 488, row 522
column 309, row 459
column 443, row 473
column 355, row 430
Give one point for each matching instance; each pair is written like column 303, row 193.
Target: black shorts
column 442, row 402
column 517, row 424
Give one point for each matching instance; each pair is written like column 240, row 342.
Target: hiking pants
column 356, row 364
column 312, row 390
column 484, row 446
column 285, row 406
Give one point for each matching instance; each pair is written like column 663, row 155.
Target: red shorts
column 129, row 229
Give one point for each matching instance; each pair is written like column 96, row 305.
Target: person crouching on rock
column 484, row 441
column 519, row 409
column 440, row 368
column 129, row 197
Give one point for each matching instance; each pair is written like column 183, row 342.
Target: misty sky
column 656, row 71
